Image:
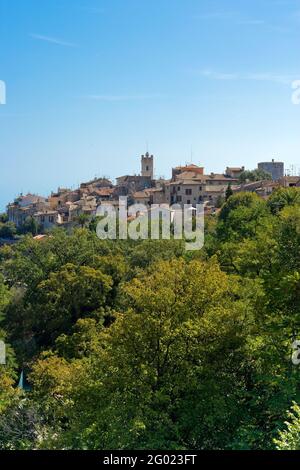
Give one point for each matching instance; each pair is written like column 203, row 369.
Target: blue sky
column 91, row 84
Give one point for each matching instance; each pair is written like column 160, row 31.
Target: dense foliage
column 141, row 344
column 254, row 175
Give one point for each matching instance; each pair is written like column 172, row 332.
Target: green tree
column 254, row 175
column 289, row 438
column 229, row 192
column 241, row 216
column 165, row 375
column 282, row 198
column 7, row 230
column 66, row 296
column 30, row 225
column 82, row 220
column 3, row 218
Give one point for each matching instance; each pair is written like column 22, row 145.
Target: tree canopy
column 143, row 345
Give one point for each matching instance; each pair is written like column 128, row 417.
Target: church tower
column 147, row 165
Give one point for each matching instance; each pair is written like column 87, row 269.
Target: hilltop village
column 188, row 185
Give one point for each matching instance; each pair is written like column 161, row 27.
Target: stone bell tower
column 147, row 165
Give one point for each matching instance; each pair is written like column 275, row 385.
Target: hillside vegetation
column 143, row 345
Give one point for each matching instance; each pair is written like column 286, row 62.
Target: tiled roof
column 41, row 213
column 104, row 191
column 191, row 178
column 141, row 194
column 190, row 167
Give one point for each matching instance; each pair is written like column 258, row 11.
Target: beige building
column 147, row 164
column 62, row 196
column 234, row 172
column 46, row 219
column 194, row 187
column 289, row 181
column 86, row 205
column 262, row 188
column 24, row 207
column 103, row 194
column 150, row 196
column 97, row 183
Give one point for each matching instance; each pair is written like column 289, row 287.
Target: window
column 179, row 198
column 188, row 192
column 51, row 219
column 178, row 188
column 200, row 188
column 188, row 201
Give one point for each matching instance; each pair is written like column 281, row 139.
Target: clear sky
column 92, row 83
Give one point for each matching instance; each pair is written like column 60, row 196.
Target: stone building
column 150, row 196
column 193, row 187
column 62, row 196
column 289, row 181
column 86, row 205
column 97, row 183
column 46, row 219
column 128, row 185
column 24, row 207
column 275, row 169
column 234, row 172
column 147, row 163
column 262, row 188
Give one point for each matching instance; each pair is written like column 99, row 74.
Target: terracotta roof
column 141, row 194
column 190, row 175
column 290, row 179
column 191, row 178
column 45, row 213
column 147, row 192
column 29, row 199
column 256, row 185
column 190, row 167
column 104, row 191
column 220, row 177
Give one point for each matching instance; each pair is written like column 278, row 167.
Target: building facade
column 275, row 169
column 147, row 165
column 193, row 187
